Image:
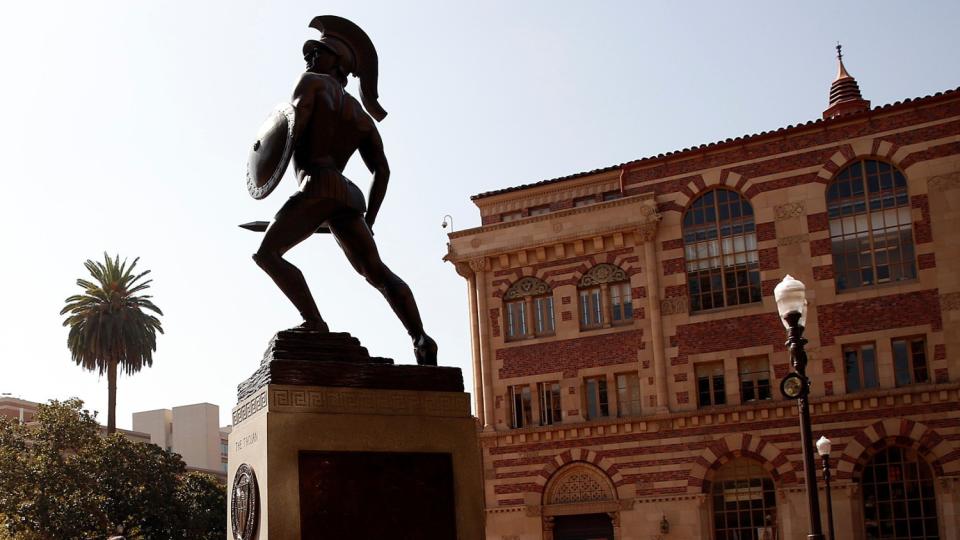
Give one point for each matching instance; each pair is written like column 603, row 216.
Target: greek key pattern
column 365, row 401
column 249, row 408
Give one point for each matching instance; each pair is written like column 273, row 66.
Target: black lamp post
column 792, row 306
column 823, row 448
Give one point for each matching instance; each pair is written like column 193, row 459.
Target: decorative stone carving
column 479, row 264
column 647, row 232
column 672, row 306
column 580, row 487
column 463, row 269
column 603, row 273
column 528, row 286
column 944, row 182
column 788, row 210
column 794, row 239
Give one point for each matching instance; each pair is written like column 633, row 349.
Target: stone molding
column 595, row 184
column 336, row 400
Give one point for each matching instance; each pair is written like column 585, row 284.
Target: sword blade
column 261, row 226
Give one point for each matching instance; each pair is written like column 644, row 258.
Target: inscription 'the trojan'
column 247, row 440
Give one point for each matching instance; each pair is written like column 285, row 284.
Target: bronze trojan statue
column 321, row 129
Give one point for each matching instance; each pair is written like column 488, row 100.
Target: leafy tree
column 204, row 500
column 59, row 480
column 108, row 326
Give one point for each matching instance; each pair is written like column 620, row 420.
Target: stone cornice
column 644, row 227
column 673, row 424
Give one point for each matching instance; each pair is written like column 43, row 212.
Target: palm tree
column 108, row 326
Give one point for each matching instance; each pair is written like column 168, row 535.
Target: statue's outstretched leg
column 357, row 242
column 296, row 221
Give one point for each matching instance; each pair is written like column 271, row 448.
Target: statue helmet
column 355, row 55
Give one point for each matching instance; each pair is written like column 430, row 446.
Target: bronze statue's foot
column 425, row 349
column 313, row 326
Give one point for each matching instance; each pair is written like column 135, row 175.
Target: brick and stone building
column 627, row 351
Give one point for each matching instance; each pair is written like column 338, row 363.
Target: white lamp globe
column 823, row 446
column 791, row 295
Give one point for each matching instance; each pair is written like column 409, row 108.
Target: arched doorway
column 743, row 502
column 898, row 497
column 580, row 503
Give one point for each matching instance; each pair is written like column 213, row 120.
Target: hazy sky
column 127, row 126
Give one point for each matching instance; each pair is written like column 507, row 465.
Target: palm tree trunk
column 112, row 397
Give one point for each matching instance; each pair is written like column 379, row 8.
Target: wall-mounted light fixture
column 664, row 524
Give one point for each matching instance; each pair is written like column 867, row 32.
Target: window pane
column 852, row 369
column 869, row 367
column 901, row 362
column 593, row 407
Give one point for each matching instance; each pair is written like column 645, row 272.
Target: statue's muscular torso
column 335, row 126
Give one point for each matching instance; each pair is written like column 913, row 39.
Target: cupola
column 845, row 95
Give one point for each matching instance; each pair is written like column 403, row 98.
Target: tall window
column 744, row 502
column 549, row 393
column 860, row 366
column 910, row 360
column 596, row 397
column 720, row 244
column 605, row 297
column 516, row 312
column 543, row 315
column 528, row 309
column 621, row 303
column 710, row 385
column 628, row 394
column 870, row 226
column 521, row 406
column 591, row 310
column 898, row 497
column 754, row 379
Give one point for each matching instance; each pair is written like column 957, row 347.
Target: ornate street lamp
column 792, row 305
column 823, row 448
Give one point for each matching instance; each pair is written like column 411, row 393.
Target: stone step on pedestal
column 337, row 359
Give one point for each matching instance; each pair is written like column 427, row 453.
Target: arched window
column 898, row 497
column 605, row 297
column 720, row 243
column 744, row 501
column 528, row 309
column 870, row 227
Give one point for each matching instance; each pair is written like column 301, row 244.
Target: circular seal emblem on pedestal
column 244, row 503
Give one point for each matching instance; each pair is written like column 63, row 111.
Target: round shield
column 271, row 152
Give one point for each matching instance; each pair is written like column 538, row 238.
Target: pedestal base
column 356, row 462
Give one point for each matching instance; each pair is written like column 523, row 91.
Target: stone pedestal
column 355, row 449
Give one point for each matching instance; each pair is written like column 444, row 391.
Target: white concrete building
column 190, row 430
